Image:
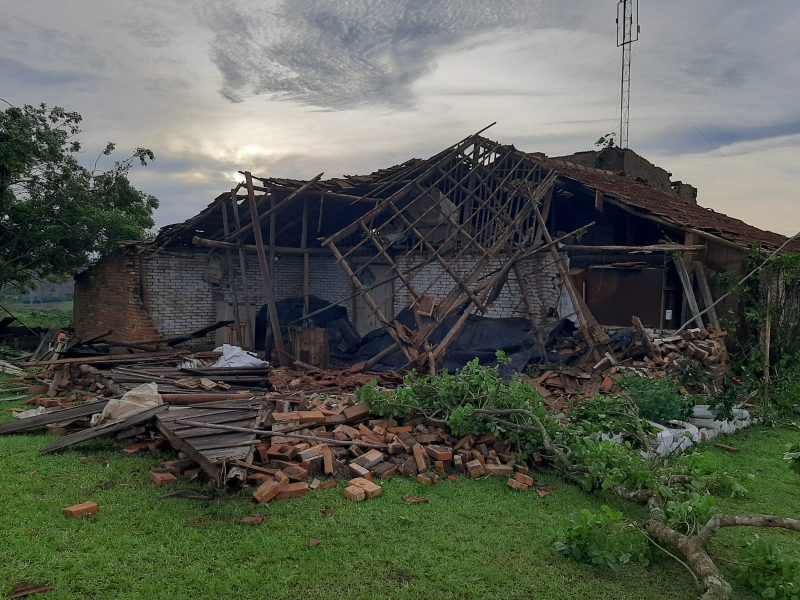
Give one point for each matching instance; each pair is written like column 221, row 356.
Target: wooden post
column 688, row 292
column 266, row 276
column 304, row 245
column 767, row 340
column 274, row 208
column 705, row 292
column 232, row 277
column 248, row 309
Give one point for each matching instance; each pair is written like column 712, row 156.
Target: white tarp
column 233, row 356
column 134, row 401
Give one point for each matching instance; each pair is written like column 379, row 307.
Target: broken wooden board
column 57, row 416
column 212, row 448
column 102, row 430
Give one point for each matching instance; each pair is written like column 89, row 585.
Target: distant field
column 51, row 314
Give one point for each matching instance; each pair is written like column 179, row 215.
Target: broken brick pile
column 348, row 444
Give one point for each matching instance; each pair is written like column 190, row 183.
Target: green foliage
column 793, row 455
column 455, row 397
column 602, row 539
column 56, row 214
column 768, row 571
column 658, row 400
column 608, row 464
column 607, row 414
column 709, row 477
column 689, row 515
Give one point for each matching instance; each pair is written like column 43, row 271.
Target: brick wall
column 109, row 297
column 143, row 296
column 539, row 271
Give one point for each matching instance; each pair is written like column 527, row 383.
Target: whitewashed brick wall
column 539, row 271
column 179, row 299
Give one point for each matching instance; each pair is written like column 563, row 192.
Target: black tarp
column 481, row 337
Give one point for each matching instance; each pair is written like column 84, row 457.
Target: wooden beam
column 591, row 330
column 688, row 292
column 206, row 243
column 256, row 218
column 103, row 430
column 243, row 269
column 598, row 201
column 283, row 357
column 306, row 266
column 578, row 248
column 705, row 292
column 368, row 299
column 231, row 276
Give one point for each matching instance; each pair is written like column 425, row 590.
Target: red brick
column 499, row 470
column 522, row 478
column 516, row 485
column 475, row 469
column 311, row 416
column 327, row 461
column 357, row 411
column 296, row 472
column 354, row 493
column 328, row 484
column 369, row 459
column 79, row 511
column 360, row 471
column 372, row 490
column 162, row 478
column 293, row 490
column 442, row 453
column 285, row 417
column 419, row 458
column 268, row 490
column 427, row 478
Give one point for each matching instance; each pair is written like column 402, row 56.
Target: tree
column 55, row 214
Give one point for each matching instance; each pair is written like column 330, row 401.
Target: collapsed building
column 406, row 264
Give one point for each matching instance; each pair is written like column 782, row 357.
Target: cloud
column 18, row 73
column 349, row 53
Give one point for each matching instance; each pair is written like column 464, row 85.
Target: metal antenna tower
column 627, row 33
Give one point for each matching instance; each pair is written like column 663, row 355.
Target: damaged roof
column 681, row 213
column 637, row 196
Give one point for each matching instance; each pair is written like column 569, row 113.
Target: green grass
column 475, row 539
column 53, row 315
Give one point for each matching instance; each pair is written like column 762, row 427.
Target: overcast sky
column 291, row 88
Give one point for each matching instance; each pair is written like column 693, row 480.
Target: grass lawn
column 475, row 539
column 57, row 314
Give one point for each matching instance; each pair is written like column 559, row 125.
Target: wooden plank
column 57, row 416
column 116, row 358
column 219, row 438
column 688, row 291
column 284, row 359
column 625, row 249
column 211, row 469
column 705, row 292
column 181, row 413
column 103, row 430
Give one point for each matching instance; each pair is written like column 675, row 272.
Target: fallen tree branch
column 717, row 522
